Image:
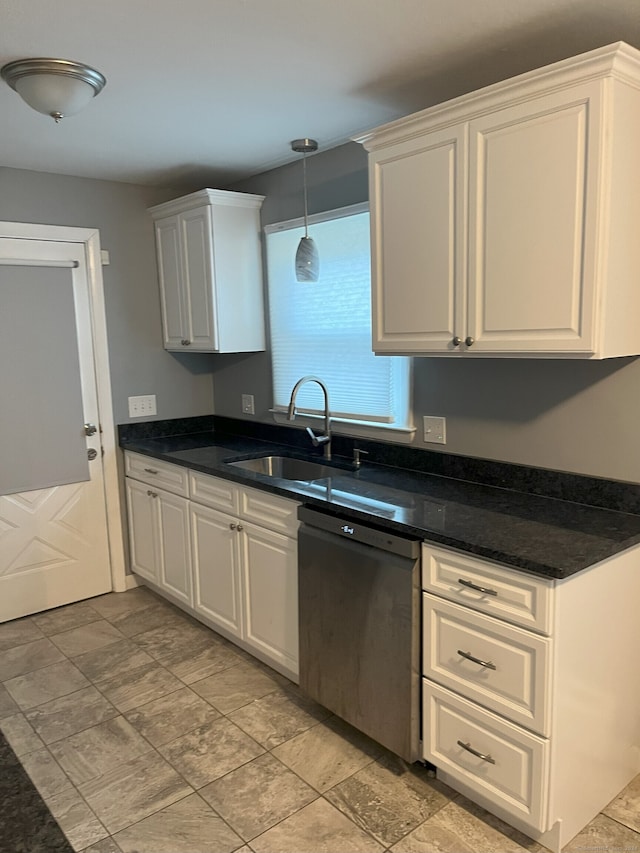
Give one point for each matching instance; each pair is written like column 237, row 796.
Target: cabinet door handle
column 456, row 341
column 483, row 589
column 486, row 663
column 152, row 494
column 232, row 526
column 151, row 470
column 469, row 341
column 185, row 342
column 477, row 754
column 239, row 528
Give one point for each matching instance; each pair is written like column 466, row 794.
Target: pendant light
column 307, row 260
column 55, row 87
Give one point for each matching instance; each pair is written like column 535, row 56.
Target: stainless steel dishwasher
column 359, row 597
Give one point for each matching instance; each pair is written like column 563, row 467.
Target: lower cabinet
column 226, row 553
column 528, row 707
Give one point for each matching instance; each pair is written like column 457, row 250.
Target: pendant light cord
column 304, row 181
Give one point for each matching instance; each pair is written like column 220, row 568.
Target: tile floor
column 144, row 731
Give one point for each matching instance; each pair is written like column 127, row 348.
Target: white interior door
column 54, row 545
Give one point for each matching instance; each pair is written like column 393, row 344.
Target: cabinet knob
column 232, row 526
column 152, row 494
column 185, row 342
column 469, row 341
column 239, row 528
column 456, row 341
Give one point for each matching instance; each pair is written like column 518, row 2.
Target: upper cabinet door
column 198, row 278
column 174, row 310
column 418, row 215
column 532, row 224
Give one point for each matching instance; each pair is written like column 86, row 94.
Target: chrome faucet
column 317, row 440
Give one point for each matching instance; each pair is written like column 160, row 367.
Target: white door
column 54, row 545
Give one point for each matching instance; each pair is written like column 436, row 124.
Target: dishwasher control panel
column 359, row 532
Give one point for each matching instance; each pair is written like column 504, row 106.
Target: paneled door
column 54, row 542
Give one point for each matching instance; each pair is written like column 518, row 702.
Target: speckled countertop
column 544, row 535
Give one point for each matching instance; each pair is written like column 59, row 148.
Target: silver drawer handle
column 151, row 470
column 486, row 663
column 477, row 754
column 482, row 589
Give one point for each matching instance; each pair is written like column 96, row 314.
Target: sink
column 285, row 467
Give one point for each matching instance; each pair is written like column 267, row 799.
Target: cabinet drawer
column 514, row 769
column 513, row 678
column 276, row 513
column 173, row 478
column 515, row 596
column 214, row 492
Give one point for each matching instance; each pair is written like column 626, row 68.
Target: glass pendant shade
column 307, row 260
column 54, row 87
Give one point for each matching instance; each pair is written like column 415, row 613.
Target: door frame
column 90, row 239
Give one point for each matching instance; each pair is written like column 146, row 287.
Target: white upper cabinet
column 210, row 271
column 505, row 222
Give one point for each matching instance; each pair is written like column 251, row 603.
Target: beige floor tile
column 95, row 751
column 278, row 717
column 107, row 845
column 176, row 637
column 20, row 734
column 210, row 751
column 317, row 828
column 7, row 705
column 172, row 716
column 18, row 632
column 389, row 798
column 115, row 604
column 258, row 795
column 45, row 772
column 43, row 685
column 606, row 835
column 156, row 615
column 185, row 827
column 194, row 666
column 463, row 827
column 626, row 807
column 112, row 661
column 132, row 791
column 28, row 657
column 142, row 685
column 87, row 638
column 76, row 819
column 236, row 686
column 64, row 618
column 69, row 714
column 328, row 753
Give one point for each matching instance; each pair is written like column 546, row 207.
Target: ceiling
column 206, row 92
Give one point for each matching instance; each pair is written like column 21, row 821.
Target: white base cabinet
column 503, row 221
column 226, row 553
column 530, row 700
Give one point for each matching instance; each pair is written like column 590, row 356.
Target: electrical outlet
column 142, row 407
column 435, row 430
column 248, row 406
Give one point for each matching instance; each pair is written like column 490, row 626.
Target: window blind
column 324, row 328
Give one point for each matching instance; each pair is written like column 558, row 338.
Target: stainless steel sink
column 285, row 468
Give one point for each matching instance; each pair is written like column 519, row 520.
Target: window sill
column 357, row 429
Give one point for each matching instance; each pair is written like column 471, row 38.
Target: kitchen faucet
column 317, row 440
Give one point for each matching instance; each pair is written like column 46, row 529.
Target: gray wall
column 567, row 415
column 139, row 364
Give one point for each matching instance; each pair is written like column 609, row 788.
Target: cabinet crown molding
column 206, row 196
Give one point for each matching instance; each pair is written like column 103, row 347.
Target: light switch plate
column 435, row 429
column 142, row 407
column 248, row 405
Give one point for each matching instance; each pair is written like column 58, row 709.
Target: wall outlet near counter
column 142, row 407
column 435, row 429
column 248, row 405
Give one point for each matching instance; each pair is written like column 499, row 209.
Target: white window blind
column 324, row 329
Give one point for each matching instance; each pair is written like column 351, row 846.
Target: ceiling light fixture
column 307, row 260
column 55, row 87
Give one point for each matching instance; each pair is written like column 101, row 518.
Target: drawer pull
column 477, row 754
column 483, row 589
column 152, row 494
column 151, row 470
column 486, row 663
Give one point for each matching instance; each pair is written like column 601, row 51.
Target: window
column 324, row 329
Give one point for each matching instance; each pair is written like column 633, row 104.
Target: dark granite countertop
column 543, row 535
